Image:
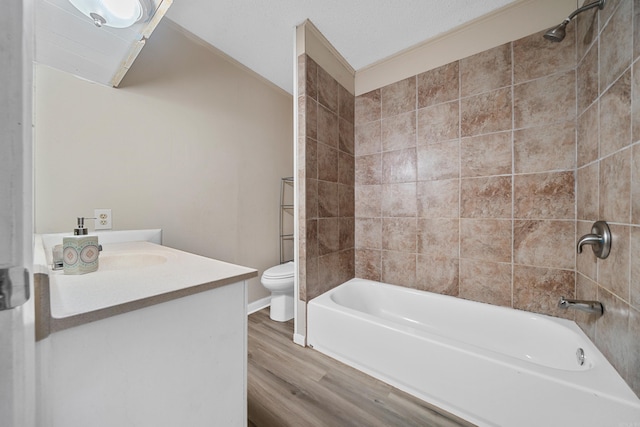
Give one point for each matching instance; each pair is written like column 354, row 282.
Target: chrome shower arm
column 599, row 4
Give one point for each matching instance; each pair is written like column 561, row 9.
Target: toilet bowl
column 279, row 280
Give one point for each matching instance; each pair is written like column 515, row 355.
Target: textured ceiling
column 260, row 34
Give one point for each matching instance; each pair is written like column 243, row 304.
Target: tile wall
column 465, row 177
column 326, row 167
column 608, row 177
column 474, row 179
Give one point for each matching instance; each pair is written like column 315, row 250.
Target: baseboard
column 299, row 339
column 258, row 305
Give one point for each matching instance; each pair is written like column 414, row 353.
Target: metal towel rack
column 286, row 207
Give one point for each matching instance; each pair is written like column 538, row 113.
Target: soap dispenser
column 80, row 251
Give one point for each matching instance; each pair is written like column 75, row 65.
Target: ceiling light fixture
column 112, row 13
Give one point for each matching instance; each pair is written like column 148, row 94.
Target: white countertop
column 120, row 280
column 108, row 287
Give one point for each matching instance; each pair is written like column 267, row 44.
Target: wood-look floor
column 289, row 385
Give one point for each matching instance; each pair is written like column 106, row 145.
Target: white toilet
column 279, row 280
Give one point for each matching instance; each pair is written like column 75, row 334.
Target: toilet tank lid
column 280, row 271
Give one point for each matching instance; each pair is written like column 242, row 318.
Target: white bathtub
column 493, row 366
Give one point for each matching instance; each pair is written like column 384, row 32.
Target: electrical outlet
column 103, row 219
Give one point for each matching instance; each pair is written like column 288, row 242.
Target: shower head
column 557, row 33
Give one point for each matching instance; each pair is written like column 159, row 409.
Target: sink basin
column 123, row 261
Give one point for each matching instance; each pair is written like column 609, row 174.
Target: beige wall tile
column 636, row 31
column 399, row 268
column 346, row 136
column 438, row 237
column 612, row 331
column 586, row 262
column 310, row 158
column 327, row 163
column 347, row 265
column 437, row 274
column 311, row 199
column 613, row 272
column 328, row 235
column 616, row 44
column 399, row 166
column 367, row 107
column 635, row 101
column 633, row 363
column 488, row 282
column 535, row 57
column 486, row 113
column 399, row 200
column 327, row 126
column 634, row 281
column 587, row 205
column 368, row 138
column 439, row 199
column 399, row 234
column 587, row 30
column 544, row 195
column 547, row 100
column 586, row 289
column 486, row 239
column 615, row 187
column 311, row 232
column 368, row 169
column 438, row 85
column 346, row 169
column 486, row 155
column 346, row 200
column 368, row 203
column 486, row 71
column 588, row 143
column 544, row 243
column 302, row 117
column 438, row 123
column 368, row 233
column 545, row 148
column 488, row 197
column 587, row 76
column 398, row 98
column 347, row 233
column 368, row 264
column 327, row 90
column 311, row 118
column 615, row 116
column 538, row 289
column 311, row 77
column 329, row 275
column 399, row 132
column 635, row 184
column 438, row 161
column 328, row 199
column 346, row 105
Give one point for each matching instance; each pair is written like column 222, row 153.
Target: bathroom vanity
column 156, row 337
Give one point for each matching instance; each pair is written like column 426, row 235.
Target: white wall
column 191, row 142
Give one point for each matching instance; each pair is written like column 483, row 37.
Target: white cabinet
column 178, row 363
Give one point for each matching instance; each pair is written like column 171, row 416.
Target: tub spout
column 593, row 307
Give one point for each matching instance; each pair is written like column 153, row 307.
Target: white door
column 17, row 402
